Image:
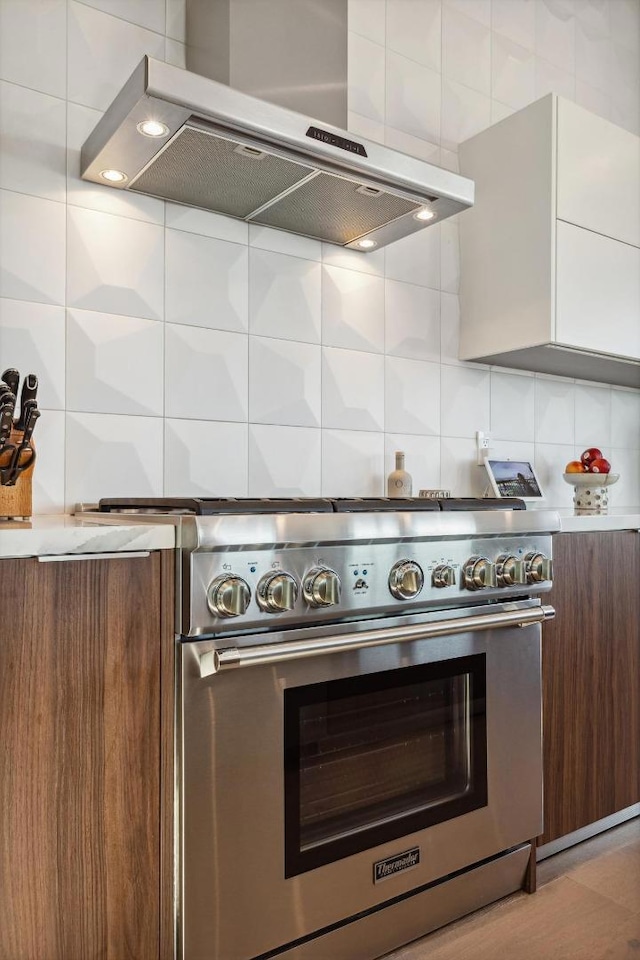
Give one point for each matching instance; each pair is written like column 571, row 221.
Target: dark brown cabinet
column 86, row 681
column 591, row 681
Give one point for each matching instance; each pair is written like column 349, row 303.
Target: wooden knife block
column 17, row 501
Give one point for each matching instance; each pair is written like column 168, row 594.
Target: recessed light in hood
column 182, row 137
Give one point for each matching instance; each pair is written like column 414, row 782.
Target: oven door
column 336, row 769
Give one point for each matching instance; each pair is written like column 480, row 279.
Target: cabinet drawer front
column 598, row 292
column 598, row 184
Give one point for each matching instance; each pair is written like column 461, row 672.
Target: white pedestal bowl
column 590, row 490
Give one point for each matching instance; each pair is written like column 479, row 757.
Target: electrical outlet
column 483, row 445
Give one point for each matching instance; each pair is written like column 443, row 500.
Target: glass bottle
column 399, row 481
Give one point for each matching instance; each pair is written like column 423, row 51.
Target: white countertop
column 621, row 518
column 64, row 534
column 58, row 535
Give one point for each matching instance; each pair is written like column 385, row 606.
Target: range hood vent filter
column 200, row 168
column 333, row 208
column 225, row 151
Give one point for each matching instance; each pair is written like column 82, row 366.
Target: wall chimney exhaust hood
column 177, row 135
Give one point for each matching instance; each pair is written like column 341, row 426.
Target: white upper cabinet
column 550, row 252
column 598, row 282
column 598, row 174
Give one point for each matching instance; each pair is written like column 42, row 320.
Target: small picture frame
column 514, row 478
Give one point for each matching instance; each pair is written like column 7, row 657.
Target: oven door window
column 373, row 758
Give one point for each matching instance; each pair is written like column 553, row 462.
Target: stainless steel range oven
column 360, row 726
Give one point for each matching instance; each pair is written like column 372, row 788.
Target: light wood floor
column 587, row 908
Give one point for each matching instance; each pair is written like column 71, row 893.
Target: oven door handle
column 216, row 660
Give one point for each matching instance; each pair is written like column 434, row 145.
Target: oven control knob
column 538, row 568
column 479, row 573
column 406, row 580
column 228, row 596
column 443, row 576
column 321, row 587
column 510, row 571
column 277, row 592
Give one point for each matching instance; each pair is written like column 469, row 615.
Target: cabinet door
column 597, row 292
column 598, row 182
column 80, row 782
column 591, row 681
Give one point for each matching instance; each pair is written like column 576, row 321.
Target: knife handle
column 7, row 403
column 32, row 418
column 12, row 378
column 15, row 467
column 28, row 392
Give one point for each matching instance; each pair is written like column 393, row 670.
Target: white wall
column 181, row 353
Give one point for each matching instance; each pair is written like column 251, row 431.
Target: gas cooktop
column 278, row 563
column 211, row 506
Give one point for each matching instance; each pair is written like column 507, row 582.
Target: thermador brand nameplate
column 383, row 869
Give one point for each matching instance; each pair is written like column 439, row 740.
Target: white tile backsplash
column 176, row 20
column 104, row 51
column 98, row 381
column 353, row 310
column 352, row 464
column 352, row 390
column 367, row 19
column 205, row 459
column 514, row 20
column 145, row 13
column 416, row 258
column 111, row 456
column 459, row 471
column 512, row 73
column 593, row 99
column 414, row 29
column 465, row 112
column 593, row 56
column 412, row 396
column 554, row 410
column 284, row 461
column 204, row 222
column 279, row 241
column 206, row 373
column 549, row 78
column 284, row 382
column 412, row 318
column 556, row 33
column 206, row 282
column 284, row 296
column 366, row 73
column 512, row 407
column 283, row 366
column 413, row 94
column 32, row 339
column 32, row 248
column 49, row 473
column 33, row 134
column 115, row 265
column 465, row 401
column 592, row 416
column 625, row 24
column 33, row 44
column 479, row 10
column 550, row 461
column 625, row 419
column 626, row 463
column 466, row 50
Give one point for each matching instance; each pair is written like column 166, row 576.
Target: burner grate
column 212, row 506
